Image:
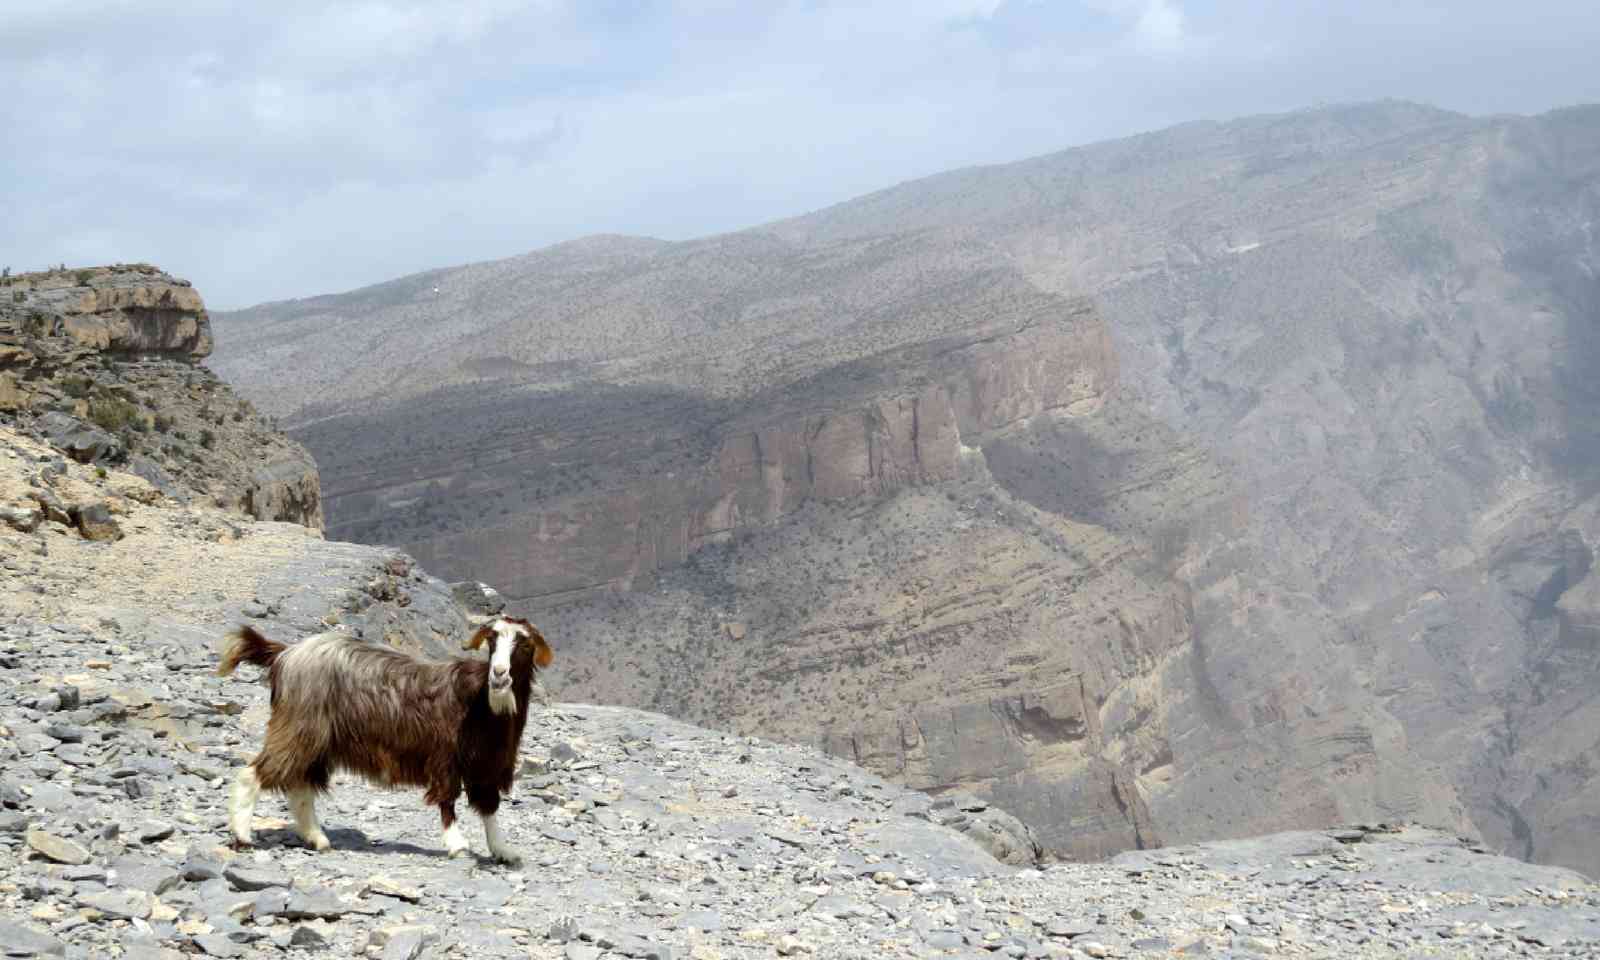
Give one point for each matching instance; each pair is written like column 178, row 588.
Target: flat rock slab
column 20, row 941
column 120, row 904
column 219, row 946
column 320, row 905
column 148, row 875
column 252, row 878
column 55, row 848
column 1422, row 858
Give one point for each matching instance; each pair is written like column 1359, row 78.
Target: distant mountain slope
column 1229, row 478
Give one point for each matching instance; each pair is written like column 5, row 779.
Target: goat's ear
column 542, row 654
column 484, row 632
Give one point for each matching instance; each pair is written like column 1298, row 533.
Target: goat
column 339, row 704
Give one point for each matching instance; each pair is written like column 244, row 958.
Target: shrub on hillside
column 114, row 413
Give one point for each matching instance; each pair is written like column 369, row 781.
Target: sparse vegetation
column 208, row 439
column 83, row 277
column 77, row 385
column 113, row 413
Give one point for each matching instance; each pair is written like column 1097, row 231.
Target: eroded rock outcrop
column 103, row 363
column 188, row 572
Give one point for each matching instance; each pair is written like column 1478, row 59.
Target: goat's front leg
column 498, row 847
column 486, row 801
column 455, row 844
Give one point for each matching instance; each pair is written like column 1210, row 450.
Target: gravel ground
column 645, row 837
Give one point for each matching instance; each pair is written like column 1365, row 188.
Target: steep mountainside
column 1231, row 478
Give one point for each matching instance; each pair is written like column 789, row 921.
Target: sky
column 267, row 151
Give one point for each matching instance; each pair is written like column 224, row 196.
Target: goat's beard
column 503, row 701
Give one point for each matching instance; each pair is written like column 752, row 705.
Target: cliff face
column 890, row 422
column 104, row 363
column 1295, row 524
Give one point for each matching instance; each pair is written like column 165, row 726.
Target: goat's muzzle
column 501, row 697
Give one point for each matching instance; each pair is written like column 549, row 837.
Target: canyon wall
column 1295, row 524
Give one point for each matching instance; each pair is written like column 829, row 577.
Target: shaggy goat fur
column 339, row 704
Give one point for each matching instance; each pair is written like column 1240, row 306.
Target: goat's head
column 516, row 652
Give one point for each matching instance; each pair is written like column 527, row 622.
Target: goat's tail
column 247, row 645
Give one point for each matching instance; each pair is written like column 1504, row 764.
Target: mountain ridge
column 1345, row 439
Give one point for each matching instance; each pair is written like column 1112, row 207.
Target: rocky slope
column 1233, row 478
column 643, row 836
column 103, row 362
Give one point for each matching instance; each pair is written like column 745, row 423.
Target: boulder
column 24, row 518
column 154, row 474
column 95, row 522
column 285, row 490
column 478, row 598
column 1006, row 838
column 80, row 441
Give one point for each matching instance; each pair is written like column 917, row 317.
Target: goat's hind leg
column 242, row 805
column 303, row 803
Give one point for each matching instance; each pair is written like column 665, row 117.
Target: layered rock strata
column 104, row 364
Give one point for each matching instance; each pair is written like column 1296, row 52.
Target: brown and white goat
column 339, row 704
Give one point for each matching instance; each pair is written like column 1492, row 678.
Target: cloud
column 1160, row 27
column 286, row 149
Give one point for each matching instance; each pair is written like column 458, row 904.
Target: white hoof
column 319, row 842
column 498, row 848
column 510, row 858
column 455, row 845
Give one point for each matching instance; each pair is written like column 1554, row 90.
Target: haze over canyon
column 1228, row 479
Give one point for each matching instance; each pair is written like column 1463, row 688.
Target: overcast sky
column 285, row 149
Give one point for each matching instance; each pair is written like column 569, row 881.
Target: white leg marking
column 454, row 843
column 304, row 805
column 498, row 848
column 242, row 806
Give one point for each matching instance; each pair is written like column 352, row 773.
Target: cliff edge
column 103, row 363
column 644, row 837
